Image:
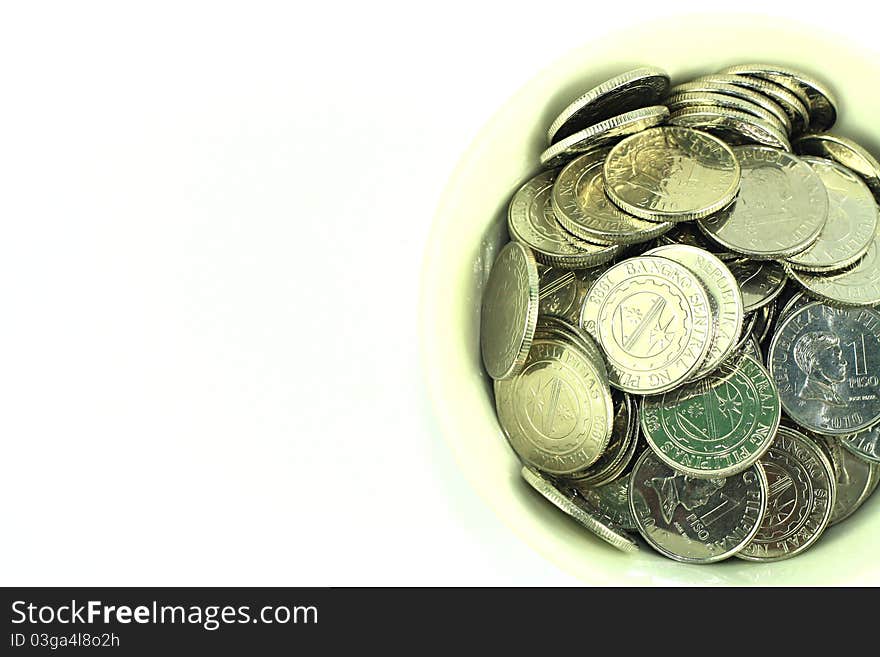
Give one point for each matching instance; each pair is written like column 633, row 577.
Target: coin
column 671, row 174
column 821, row 102
column 851, row 225
column 531, row 220
column 846, row 152
column 583, row 209
column 687, row 233
column 854, row 478
column 765, row 317
column 510, row 311
column 797, row 301
column 557, row 412
column 566, row 301
column 582, row 513
column 824, row 361
column 641, row 87
column 604, row 133
column 651, row 316
column 560, row 329
column 802, row 494
column 609, row 502
column 733, row 126
column 718, row 426
column 781, row 208
column 682, row 101
column 725, row 300
column 752, row 348
column 858, row 285
column 759, row 282
column 696, row 520
column 796, row 110
column 621, row 448
column 736, row 91
column 865, row 444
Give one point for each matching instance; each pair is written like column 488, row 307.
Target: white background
column 213, row 218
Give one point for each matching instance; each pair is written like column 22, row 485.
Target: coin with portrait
column 864, row 444
column 696, row 520
column 671, row 174
column 781, row 208
column 824, row 361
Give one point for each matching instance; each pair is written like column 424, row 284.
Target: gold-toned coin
column 734, row 127
column 843, row 151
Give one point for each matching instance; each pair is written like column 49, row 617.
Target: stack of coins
column 684, row 331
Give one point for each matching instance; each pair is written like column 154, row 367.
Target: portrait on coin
column 819, row 356
column 680, row 489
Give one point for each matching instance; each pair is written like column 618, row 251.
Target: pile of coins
column 683, row 332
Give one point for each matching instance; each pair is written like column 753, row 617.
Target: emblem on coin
column 824, row 362
column 718, row 426
column 802, row 493
column 696, row 520
column 557, row 412
column 652, row 318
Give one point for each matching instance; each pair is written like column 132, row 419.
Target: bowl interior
column 469, row 228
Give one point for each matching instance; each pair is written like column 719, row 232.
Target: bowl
column 470, row 227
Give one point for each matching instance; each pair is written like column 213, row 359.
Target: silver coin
column 748, row 331
column 739, row 92
column 560, row 329
column 557, row 412
column 824, row 361
column 641, row 87
column 510, row 311
column 574, row 507
column 752, row 349
column 857, row 285
column 671, row 174
column 793, row 107
column 716, row 427
column 725, row 300
column 583, row 209
column 865, row 444
column 682, row 101
column 851, row 225
column 781, row 208
column 759, row 282
column 531, row 220
column 846, row 152
column 566, row 301
column 651, row 316
column 732, row 126
column 802, row 493
column 609, row 502
column 854, row 477
column 791, row 87
column 603, row 134
column 696, row 520
column 821, row 102
column 621, row 448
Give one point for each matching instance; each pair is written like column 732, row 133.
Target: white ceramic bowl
column 470, row 227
